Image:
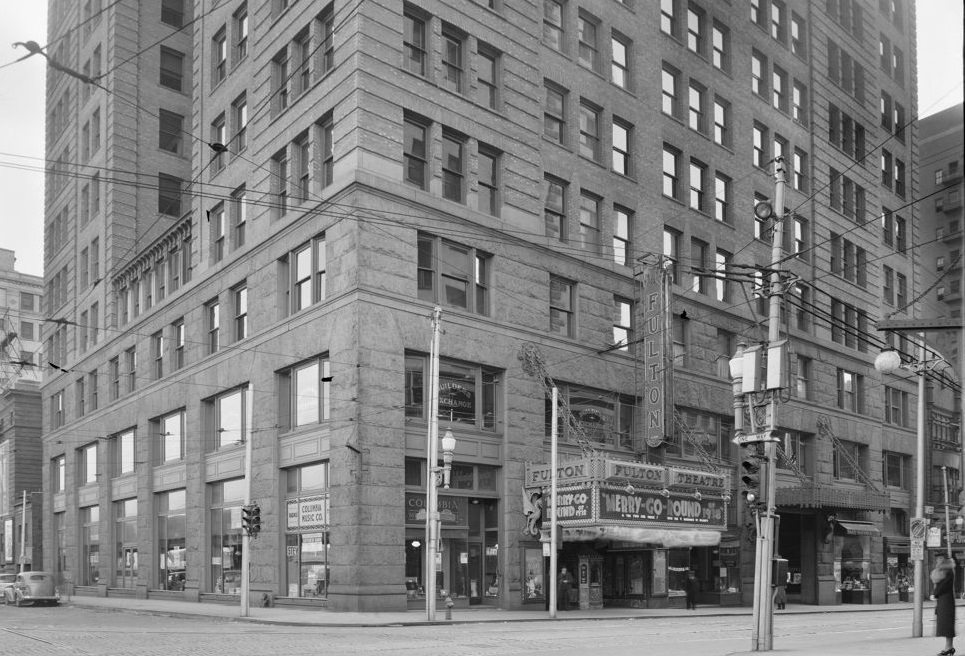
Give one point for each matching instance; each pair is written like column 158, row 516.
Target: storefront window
column 678, row 564
column 534, row 590
column 855, row 563
column 467, row 393
column 90, row 545
column 307, row 538
column 125, row 533
column 60, row 533
column 170, row 535
column 467, row 565
column 227, row 497
column 307, row 560
column 604, row 417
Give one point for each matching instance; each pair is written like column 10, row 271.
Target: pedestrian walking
column 691, row 586
column 780, row 595
column 943, row 577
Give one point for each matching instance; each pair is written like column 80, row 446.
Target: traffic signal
column 255, row 523
column 750, row 475
column 251, row 519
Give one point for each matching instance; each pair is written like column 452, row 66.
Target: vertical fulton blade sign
column 657, row 359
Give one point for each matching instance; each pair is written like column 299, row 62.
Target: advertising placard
column 652, row 506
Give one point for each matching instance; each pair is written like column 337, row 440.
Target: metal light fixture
column 888, row 361
column 448, row 446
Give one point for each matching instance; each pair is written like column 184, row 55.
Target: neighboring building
column 294, row 187
column 942, row 143
column 21, row 319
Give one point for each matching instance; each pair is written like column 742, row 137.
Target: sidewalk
column 321, row 617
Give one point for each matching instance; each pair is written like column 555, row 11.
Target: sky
column 22, row 110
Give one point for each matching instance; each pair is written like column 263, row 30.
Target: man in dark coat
column 690, row 588
column 943, row 576
column 563, row 586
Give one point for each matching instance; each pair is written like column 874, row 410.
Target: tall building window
column 698, row 259
column 87, row 464
column 589, row 222
column 622, row 323
column 90, row 544
column 850, row 391
column 758, row 71
column 722, row 198
column 798, row 36
column 800, row 178
column 157, row 354
column 415, row 154
column 303, row 158
column 488, row 179
column 171, row 437
column 168, row 194
column 554, row 209
column 697, row 174
column 172, row 12
column 668, row 17
column 621, row 235
column 453, row 167
column 172, row 69
column 114, row 378
column 170, row 131
column 414, row 44
column 671, row 172
column 216, row 221
column 240, row 30
column 669, row 83
column 124, row 452
column 798, row 100
column 720, row 42
column 722, row 260
column 561, row 302
column 324, row 136
column 488, row 76
column 587, row 37
column 453, row 274
column 280, row 181
column 695, row 31
column 239, row 217
column 130, row 361
column 779, row 89
column 721, row 122
column 228, row 413
column 179, row 343
column 212, row 326
column 305, row 269
column 219, row 57
column 302, row 54
column 305, row 393
column 279, row 81
column 239, row 112
column 695, row 114
column 553, row 24
column 554, row 116
column 240, row 306
column 589, row 132
column 453, row 66
column 621, row 147
column 620, row 64
column 671, row 251
column 326, row 32
column 761, row 160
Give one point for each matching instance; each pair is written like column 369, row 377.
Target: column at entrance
column 590, row 581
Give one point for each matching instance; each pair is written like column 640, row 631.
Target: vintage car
column 32, row 588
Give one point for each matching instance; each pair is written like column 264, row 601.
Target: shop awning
column 663, row 537
column 858, row 528
column 827, row 496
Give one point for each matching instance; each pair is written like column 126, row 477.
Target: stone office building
column 265, row 207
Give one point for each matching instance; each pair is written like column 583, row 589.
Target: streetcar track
column 61, row 646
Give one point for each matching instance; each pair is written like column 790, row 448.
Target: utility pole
column 432, row 458
column 23, row 531
column 245, row 533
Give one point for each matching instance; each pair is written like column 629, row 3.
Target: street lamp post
column 889, row 361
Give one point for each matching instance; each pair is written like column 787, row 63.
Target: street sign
column 917, row 550
column 918, row 528
column 753, row 438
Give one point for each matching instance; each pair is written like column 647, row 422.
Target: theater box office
column 630, row 532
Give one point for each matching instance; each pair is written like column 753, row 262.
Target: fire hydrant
column 449, row 606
